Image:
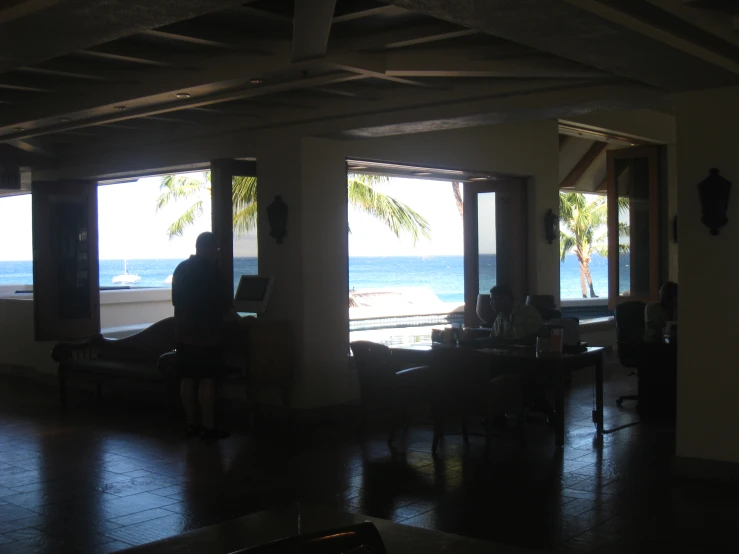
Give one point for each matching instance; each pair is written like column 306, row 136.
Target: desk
column 281, row 522
column 514, row 359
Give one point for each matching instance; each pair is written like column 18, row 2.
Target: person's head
column 206, row 246
column 668, row 294
column 501, row 298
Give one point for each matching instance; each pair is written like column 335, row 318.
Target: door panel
column 495, row 248
column 66, row 287
column 633, row 224
column 227, row 191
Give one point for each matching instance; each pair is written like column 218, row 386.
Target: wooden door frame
column 221, row 181
column 47, row 323
column 516, row 190
column 652, row 154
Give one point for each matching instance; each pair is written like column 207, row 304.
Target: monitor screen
column 252, row 294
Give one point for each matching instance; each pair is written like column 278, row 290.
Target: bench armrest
column 65, row 351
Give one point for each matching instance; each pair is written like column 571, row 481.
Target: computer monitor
column 252, row 294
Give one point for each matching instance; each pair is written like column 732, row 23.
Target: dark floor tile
column 137, row 485
column 140, row 517
column 10, row 512
column 152, row 530
column 140, row 480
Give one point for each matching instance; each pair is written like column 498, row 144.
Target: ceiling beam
column 31, row 146
column 581, row 167
column 368, row 12
column 62, row 74
column 311, row 28
column 24, row 8
column 230, row 96
column 582, row 36
column 71, row 26
column 712, row 22
column 406, row 35
column 445, row 63
column 143, row 86
column 189, row 39
column 113, row 56
column 645, row 28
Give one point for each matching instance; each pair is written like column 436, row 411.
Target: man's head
column 668, row 294
column 206, row 246
column 501, row 298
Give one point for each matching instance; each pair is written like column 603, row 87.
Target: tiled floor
column 98, row 478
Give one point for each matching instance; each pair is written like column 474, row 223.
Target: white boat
column 127, row 278
column 168, row 280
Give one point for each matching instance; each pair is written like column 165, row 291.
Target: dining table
column 549, row 368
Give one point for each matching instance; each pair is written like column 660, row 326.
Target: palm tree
column 396, row 215
column 583, row 231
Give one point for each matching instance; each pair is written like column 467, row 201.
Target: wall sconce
column 551, row 226
column 277, row 217
column 713, row 192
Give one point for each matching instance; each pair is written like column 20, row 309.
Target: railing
column 395, row 322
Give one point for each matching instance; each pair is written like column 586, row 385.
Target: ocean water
column 442, row 274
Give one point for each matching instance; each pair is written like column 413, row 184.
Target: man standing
column 202, row 297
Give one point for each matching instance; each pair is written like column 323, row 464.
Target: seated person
column 657, row 314
column 515, row 322
column 519, row 324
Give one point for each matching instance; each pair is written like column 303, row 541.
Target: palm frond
column 566, row 243
column 395, row 215
column 185, row 220
column 176, row 187
column 245, row 220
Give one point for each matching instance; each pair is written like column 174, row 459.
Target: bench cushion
column 113, row 368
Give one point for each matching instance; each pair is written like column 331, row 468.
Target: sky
column 131, row 228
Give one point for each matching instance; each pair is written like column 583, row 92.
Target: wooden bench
column 258, row 353
column 134, row 358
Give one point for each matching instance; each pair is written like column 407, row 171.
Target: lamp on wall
column 551, row 226
column 277, row 217
column 714, row 192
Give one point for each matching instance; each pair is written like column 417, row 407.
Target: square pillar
column 311, row 266
column 708, row 374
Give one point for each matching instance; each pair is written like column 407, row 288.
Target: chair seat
column 144, row 371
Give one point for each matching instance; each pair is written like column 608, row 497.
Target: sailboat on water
column 127, row 278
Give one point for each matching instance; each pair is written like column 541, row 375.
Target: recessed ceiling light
column 19, row 128
column 632, row 144
column 256, row 81
column 419, row 173
column 478, row 178
column 64, row 119
column 120, row 108
column 182, row 95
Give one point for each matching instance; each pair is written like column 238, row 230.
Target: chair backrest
column 363, row 537
column 629, row 318
column 375, row 368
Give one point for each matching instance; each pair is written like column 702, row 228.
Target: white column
column 708, row 371
column 311, row 266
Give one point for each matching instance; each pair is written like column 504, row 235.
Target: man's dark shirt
column 201, row 296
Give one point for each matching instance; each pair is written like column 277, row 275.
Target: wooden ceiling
column 80, row 75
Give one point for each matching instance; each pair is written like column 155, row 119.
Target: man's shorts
column 200, row 362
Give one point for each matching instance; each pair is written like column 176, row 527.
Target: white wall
column 708, row 371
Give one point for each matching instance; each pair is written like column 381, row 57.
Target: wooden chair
column 384, row 386
column 468, row 385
